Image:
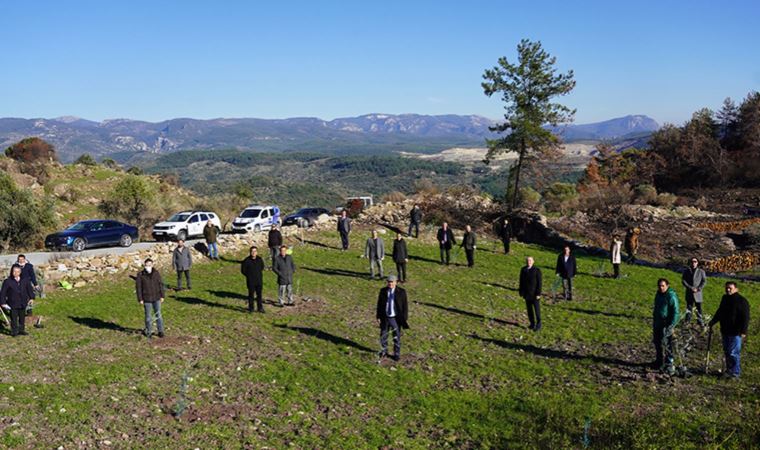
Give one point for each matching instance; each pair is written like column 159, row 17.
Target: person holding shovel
column 15, row 295
column 733, row 316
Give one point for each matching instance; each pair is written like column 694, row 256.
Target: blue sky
column 164, row 59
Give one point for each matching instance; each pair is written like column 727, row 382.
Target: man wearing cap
column 392, row 313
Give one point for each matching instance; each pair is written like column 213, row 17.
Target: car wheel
column 182, row 235
column 125, row 241
column 257, row 228
column 78, row 245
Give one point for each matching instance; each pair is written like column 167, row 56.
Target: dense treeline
column 384, row 166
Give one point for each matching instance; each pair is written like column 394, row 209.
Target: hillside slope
column 471, row 374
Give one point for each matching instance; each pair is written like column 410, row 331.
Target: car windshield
column 248, row 213
column 79, row 226
column 179, row 217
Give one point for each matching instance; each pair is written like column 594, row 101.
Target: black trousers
column 416, row 227
column 533, row 305
column 616, row 269
column 274, row 251
column 470, row 257
column 506, row 246
column 18, row 320
column 690, row 304
column 401, row 270
column 445, row 252
column 255, row 291
column 179, row 278
column 344, row 240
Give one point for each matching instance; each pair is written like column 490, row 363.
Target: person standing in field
column 445, row 241
column 150, row 293
column 415, row 219
column 182, row 260
column 274, row 241
column 374, row 250
column 400, row 257
column 344, row 228
column 733, row 316
column 694, row 280
column 530, row 291
column 253, row 269
column 566, row 269
column 210, row 233
column 469, row 242
column 284, row 268
column 505, row 234
column 616, row 257
column 392, row 313
column 16, row 294
column 664, row 319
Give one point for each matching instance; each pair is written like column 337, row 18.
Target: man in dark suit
column 468, row 242
column 344, row 228
column 400, row 257
column 445, row 242
column 566, row 269
column 15, row 295
column 392, row 314
column 253, row 269
column 530, row 290
column 505, row 233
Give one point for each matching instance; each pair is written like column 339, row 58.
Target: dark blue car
column 92, row 233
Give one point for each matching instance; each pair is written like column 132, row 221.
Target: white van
column 185, row 224
column 256, row 218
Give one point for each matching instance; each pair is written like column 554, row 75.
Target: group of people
column 19, row 289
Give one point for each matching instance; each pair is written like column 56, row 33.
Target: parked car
column 256, row 218
column 92, row 233
column 304, row 217
column 185, row 224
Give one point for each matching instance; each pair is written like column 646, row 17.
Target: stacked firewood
column 737, row 262
column 726, row 227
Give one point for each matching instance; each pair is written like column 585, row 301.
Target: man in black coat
column 445, row 241
column 468, row 243
column 274, row 242
column 253, row 269
column 415, row 219
column 344, row 228
column 400, row 257
column 15, row 295
column 733, row 315
column 530, row 290
column 505, row 234
column 150, row 290
column 27, row 270
column 392, row 314
column 566, row 269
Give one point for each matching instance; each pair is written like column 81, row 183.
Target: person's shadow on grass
column 451, row 309
column 99, row 324
column 339, row 272
column 200, row 301
column 331, row 338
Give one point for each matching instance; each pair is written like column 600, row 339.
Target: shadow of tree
column 560, row 354
column 333, row 339
column 507, row 288
column 470, row 314
column 200, row 301
column 99, row 324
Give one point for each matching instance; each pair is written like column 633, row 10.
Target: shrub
column 394, row 197
column 110, row 164
column 23, row 219
column 426, row 186
column 129, row 199
column 598, row 198
column 562, row 197
column 31, row 150
column 666, row 200
column 529, row 198
column 134, row 170
column 86, row 159
column 645, row 194
column 701, row 202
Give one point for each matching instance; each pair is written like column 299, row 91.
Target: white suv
column 184, row 224
column 256, row 218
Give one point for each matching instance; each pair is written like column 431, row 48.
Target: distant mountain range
column 368, row 134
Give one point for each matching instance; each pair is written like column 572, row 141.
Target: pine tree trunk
column 516, row 193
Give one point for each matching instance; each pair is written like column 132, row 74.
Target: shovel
column 707, row 358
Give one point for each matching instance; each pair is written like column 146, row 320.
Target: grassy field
column 471, row 375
